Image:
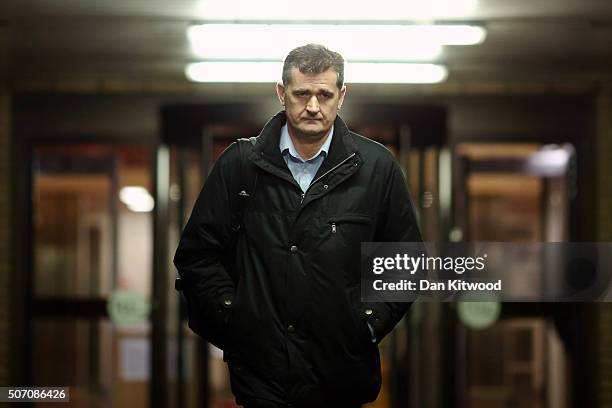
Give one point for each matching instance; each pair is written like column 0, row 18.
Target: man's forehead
column 326, row 79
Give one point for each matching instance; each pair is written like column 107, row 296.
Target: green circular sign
column 127, row 308
column 478, row 315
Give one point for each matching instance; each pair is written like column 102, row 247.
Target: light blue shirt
column 303, row 171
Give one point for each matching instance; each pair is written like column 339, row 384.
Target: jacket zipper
column 325, row 174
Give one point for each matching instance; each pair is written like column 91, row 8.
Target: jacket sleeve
column 396, row 223
column 207, row 284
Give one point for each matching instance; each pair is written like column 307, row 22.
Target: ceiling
column 528, row 40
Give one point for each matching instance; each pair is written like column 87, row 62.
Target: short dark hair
column 313, row 59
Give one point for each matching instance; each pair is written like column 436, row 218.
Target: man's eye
column 300, row 94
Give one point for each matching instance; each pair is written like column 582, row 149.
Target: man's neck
column 307, row 146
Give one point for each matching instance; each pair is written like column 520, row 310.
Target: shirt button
column 290, row 328
column 368, row 312
column 294, row 248
column 325, row 186
column 227, row 302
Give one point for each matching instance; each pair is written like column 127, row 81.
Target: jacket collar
column 342, row 144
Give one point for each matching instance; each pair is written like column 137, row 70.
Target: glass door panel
column 92, row 235
column 503, row 200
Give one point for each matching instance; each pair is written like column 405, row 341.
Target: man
column 281, row 296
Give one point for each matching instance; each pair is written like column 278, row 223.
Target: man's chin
column 312, row 130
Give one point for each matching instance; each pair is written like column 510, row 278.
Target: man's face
column 311, row 102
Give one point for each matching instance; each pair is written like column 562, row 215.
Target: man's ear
column 342, row 95
column 280, row 91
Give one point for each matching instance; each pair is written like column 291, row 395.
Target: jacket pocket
column 347, row 232
column 344, row 220
column 207, row 319
column 351, row 229
column 363, row 335
column 232, row 322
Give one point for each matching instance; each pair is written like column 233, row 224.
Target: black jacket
column 285, row 306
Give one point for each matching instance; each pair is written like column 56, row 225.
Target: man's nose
column 313, row 105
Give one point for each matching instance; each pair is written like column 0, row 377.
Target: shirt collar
column 286, row 144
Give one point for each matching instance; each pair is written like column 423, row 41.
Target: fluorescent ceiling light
column 354, row 42
column 136, row 199
column 395, row 73
column 450, row 34
column 270, row 72
column 337, row 10
column 234, row 71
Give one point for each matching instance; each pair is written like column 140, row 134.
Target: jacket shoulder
column 372, row 150
column 228, row 161
column 231, row 154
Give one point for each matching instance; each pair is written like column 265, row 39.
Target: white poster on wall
column 134, row 359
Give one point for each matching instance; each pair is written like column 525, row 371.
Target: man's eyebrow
column 306, row 90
